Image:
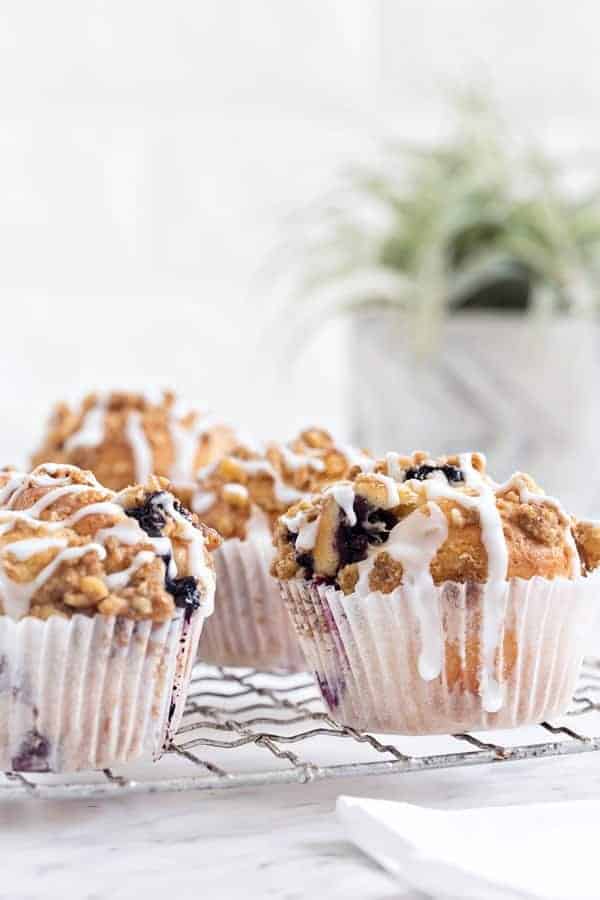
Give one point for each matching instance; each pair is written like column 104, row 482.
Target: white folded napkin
column 546, row 851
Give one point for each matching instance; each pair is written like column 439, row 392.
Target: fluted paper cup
column 250, row 625
column 452, row 660
column 89, row 692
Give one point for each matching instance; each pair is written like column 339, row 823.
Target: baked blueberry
column 421, row 473
column 150, row 516
column 33, row 753
column 305, row 560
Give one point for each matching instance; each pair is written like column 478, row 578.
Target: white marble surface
column 282, row 843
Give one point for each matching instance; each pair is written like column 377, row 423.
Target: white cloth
column 546, row 851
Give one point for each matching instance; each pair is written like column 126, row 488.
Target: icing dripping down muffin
column 442, row 587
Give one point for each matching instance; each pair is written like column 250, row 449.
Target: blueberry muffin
column 431, row 599
column 241, row 496
column 102, row 599
column 126, row 437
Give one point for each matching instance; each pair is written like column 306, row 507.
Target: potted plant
column 471, row 276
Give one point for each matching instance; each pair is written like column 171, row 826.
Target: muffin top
column 416, row 518
column 69, row 545
column 126, row 437
column 250, row 487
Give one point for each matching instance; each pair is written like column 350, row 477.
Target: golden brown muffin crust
column 587, row 538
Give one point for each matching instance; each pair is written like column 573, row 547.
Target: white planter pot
column 522, row 391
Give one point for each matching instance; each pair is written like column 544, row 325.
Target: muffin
column 102, row 600
column 241, row 496
column 123, row 438
column 430, row 599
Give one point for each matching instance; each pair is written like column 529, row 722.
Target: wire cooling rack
column 244, row 728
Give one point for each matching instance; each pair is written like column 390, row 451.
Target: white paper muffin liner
column 89, row 692
column 250, row 625
column 366, row 652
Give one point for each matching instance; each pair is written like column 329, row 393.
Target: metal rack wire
column 244, row 728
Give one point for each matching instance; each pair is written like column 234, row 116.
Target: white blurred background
column 150, row 153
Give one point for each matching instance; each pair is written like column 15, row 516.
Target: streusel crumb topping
column 250, row 487
column 69, row 545
column 445, row 519
column 125, row 437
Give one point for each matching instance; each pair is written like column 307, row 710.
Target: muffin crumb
column 386, row 574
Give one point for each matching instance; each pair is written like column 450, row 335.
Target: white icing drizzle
column 293, row 523
column 9, row 523
column 494, row 592
column 29, row 547
column 16, row 597
column 105, row 508
column 143, row 459
column 51, row 496
column 11, row 485
column 414, row 542
column 202, row 501
column 285, row 495
column 394, row 469
column 307, row 531
column 118, row 580
column 129, row 532
column 391, row 486
column 296, row 461
column 91, row 431
column 193, row 536
column 237, row 490
column 343, row 494
column 50, row 468
column 185, row 442
column 253, row 466
column 472, row 475
column 17, row 486
column 307, row 535
column 125, row 531
column 102, row 508
column 207, row 470
column 356, row 457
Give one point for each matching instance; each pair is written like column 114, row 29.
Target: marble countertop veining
column 282, row 842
